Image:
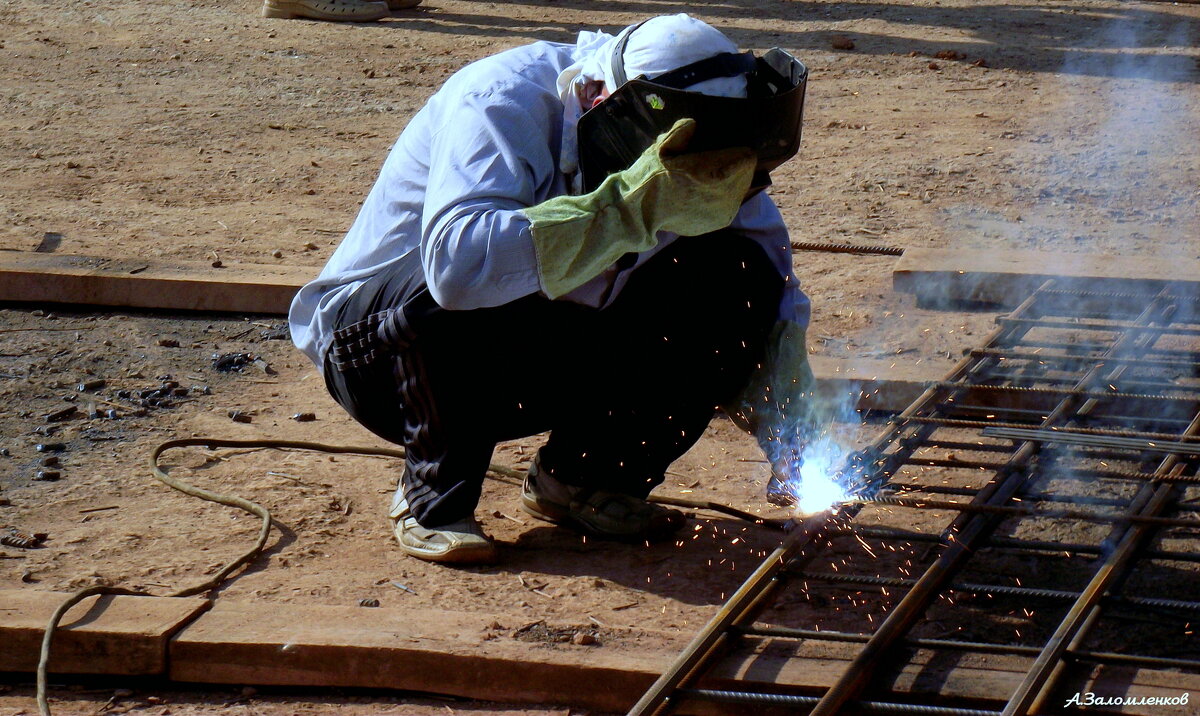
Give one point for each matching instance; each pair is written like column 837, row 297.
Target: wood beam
column 942, row 276
column 100, row 635
column 137, row 283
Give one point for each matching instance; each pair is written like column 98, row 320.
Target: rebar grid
column 1138, row 367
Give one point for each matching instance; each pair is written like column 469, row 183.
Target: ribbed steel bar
column 1075, row 437
column 1115, row 659
column 1080, row 472
column 911, row 487
column 847, row 248
column 775, row 632
column 1005, row 510
column 754, row 698
column 1008, row 543
column 1008, row 354
column 980, row 647
column 1100, row 394
column 994, row 590
column 1092, row 347
column 948, row 444
column 1110, row 328
column 1162, row 421
column 969, row 532
column 1130, row 296
column 1138, row 383
column 988, row 424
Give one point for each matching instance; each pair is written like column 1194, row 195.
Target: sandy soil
column 197, row 131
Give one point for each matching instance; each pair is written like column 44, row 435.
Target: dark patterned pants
column 624, row 391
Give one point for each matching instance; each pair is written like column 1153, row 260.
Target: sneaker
column 607, row 515
column 333, row 10
column 461, row 542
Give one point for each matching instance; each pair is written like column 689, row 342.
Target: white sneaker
column 461, row 542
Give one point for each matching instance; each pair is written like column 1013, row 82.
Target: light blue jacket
column 453, row 186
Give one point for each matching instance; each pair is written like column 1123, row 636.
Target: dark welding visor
column 614, row 133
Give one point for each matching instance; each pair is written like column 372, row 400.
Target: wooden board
column 442, row 652
column 101, row 635
column 466, row 655
column 887, row 386
column 137, row 283
column 940, row 276
column 459, row 654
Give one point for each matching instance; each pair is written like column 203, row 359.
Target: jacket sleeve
column 760, row 220
column 488, row 159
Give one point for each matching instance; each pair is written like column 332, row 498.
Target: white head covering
column 659, row 45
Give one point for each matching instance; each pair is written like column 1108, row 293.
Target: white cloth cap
column 659, row 45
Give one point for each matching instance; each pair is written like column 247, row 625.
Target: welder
column 570, row 238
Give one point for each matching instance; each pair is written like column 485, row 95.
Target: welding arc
column 265, row 529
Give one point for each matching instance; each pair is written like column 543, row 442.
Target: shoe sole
column 566, row 519
column 467, row 554
column 461, row 555
column 283, row 10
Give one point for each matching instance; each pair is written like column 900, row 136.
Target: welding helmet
column 614, row 133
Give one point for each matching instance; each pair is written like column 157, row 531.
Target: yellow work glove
column 578, row 237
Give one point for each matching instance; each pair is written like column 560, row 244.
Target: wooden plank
column 873, row 384
column 137, row 283
column 459, row 654
column 939, row 276
column 101, row 635
column 442, row 652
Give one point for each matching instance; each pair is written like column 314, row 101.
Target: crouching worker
column 525, row 265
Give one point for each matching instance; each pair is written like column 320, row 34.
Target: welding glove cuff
column 576, row 238
column 776, row 406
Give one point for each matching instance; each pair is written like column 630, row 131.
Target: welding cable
column 265, row 528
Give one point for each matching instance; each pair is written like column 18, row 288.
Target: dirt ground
column 200, row 131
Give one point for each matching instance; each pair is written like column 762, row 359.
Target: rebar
column 756, row 698
column 1007, row 511
column 1091, row 439
column 1078, row 472
column 1127, row 296
column 847, row 248
column 1009, row 543
column 911, row 487
column 980, row 647
column 1099, row 394
column 1113, row 328
column 994, row 590
column 1008, row 354
column 988, row 424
